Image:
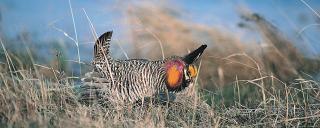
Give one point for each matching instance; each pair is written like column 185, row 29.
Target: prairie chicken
column 127, row 81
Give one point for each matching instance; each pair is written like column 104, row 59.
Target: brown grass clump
column 35, row 102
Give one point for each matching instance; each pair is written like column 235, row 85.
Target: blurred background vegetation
column 261, row 67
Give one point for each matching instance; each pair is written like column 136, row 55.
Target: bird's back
column 137, row 78
column 129, row 81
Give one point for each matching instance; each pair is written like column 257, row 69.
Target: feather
column 101, row 47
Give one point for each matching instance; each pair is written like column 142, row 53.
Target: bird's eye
column 192, row 71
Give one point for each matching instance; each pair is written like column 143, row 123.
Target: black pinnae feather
column 101, row 47
column 193, row 56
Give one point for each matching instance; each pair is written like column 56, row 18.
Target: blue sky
column 37, row 16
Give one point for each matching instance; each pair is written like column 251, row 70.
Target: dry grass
column 30, row 100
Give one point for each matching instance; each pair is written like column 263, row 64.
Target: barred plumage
column 123, row 81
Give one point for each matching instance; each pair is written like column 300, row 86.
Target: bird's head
column 181, row 71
